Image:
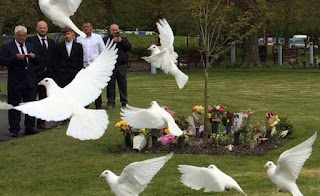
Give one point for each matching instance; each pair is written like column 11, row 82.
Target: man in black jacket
column 69, row 56
column 20, row 58
column 120, row 70
column 46, row 49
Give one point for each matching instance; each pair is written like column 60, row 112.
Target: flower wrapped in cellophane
column 123, row 126
column 271, row 121
column 198, row 115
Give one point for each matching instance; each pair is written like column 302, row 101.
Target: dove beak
column 150, row 48
column 266, row 165
column 41, row 82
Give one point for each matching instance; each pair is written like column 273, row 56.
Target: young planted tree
column 218, row 28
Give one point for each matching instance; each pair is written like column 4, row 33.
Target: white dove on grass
column 135, row 177
column 165, row 57
column 63, row 103
column 211, row 179
column 288, row 167
column 154, row 117
column 59, row 12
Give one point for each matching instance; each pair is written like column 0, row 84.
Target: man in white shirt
column 92, row 46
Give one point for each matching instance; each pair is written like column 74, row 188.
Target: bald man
column 46, row 50
column 120, row 70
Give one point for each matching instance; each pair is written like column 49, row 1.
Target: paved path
column 4, row 123
column 4, row 126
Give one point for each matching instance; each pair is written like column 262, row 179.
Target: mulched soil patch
column 205, row 146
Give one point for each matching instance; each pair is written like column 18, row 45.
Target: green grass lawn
column 51, row 163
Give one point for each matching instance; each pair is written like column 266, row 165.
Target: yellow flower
column 122, row 125
column 167, row 131
column 143, row 131
column 209, row 115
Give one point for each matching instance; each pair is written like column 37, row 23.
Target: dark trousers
column 98, row 101
column 119, row 75
column 15, row 95
column 41, row 92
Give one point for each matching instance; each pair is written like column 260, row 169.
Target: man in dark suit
column 20, row 58
column 120, row 70
column 69, row 55
column 46, row 49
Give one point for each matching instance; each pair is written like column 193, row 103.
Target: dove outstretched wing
column 89, row 82
column 142, row 118
column 291, row 161
column 138, row 175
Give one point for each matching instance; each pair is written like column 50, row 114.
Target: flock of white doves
column 86, row 124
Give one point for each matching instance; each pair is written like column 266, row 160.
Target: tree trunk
column 205, row 120
column 251, row 51
column 109, row 5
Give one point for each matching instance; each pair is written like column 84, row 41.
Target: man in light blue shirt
column 92, row 46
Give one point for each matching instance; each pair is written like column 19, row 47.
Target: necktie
column 22, row 51
column 25, row 59
column 44, row 43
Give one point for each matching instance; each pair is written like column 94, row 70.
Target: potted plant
column 243, row 126
column 139, row 141
column 198, row 117
column 154, row 134
column 184, row 125
column 125, row 128
column 217, row 114
column 228, row 121
column 271, row 121
column 219, row 139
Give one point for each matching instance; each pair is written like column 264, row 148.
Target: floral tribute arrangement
column 140, row 138
column 125, row 128
column 227, row 129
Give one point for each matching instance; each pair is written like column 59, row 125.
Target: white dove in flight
column 59, row 12
column 165, row 57
column 154, row 117
column 289, row 165
column 211, row 179
column 135, row 177
column 70, row 101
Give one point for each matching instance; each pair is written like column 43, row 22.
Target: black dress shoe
column 13, row 134
column 124, row 104
column 31, row 132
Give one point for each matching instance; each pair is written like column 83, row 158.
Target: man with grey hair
column 20, row 58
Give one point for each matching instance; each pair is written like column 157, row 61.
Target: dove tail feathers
column 5, row 106
column 295, row 191
column 88, row 125
column 181, row 79
column 174, row 129
column 239, row 189
column 76, row 29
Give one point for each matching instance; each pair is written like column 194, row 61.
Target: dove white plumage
column 59, row 12
column 289, row 165
column 63, row 103
column 154, row 117
column 165, row 57
column 135, row 177
column 211, row 179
